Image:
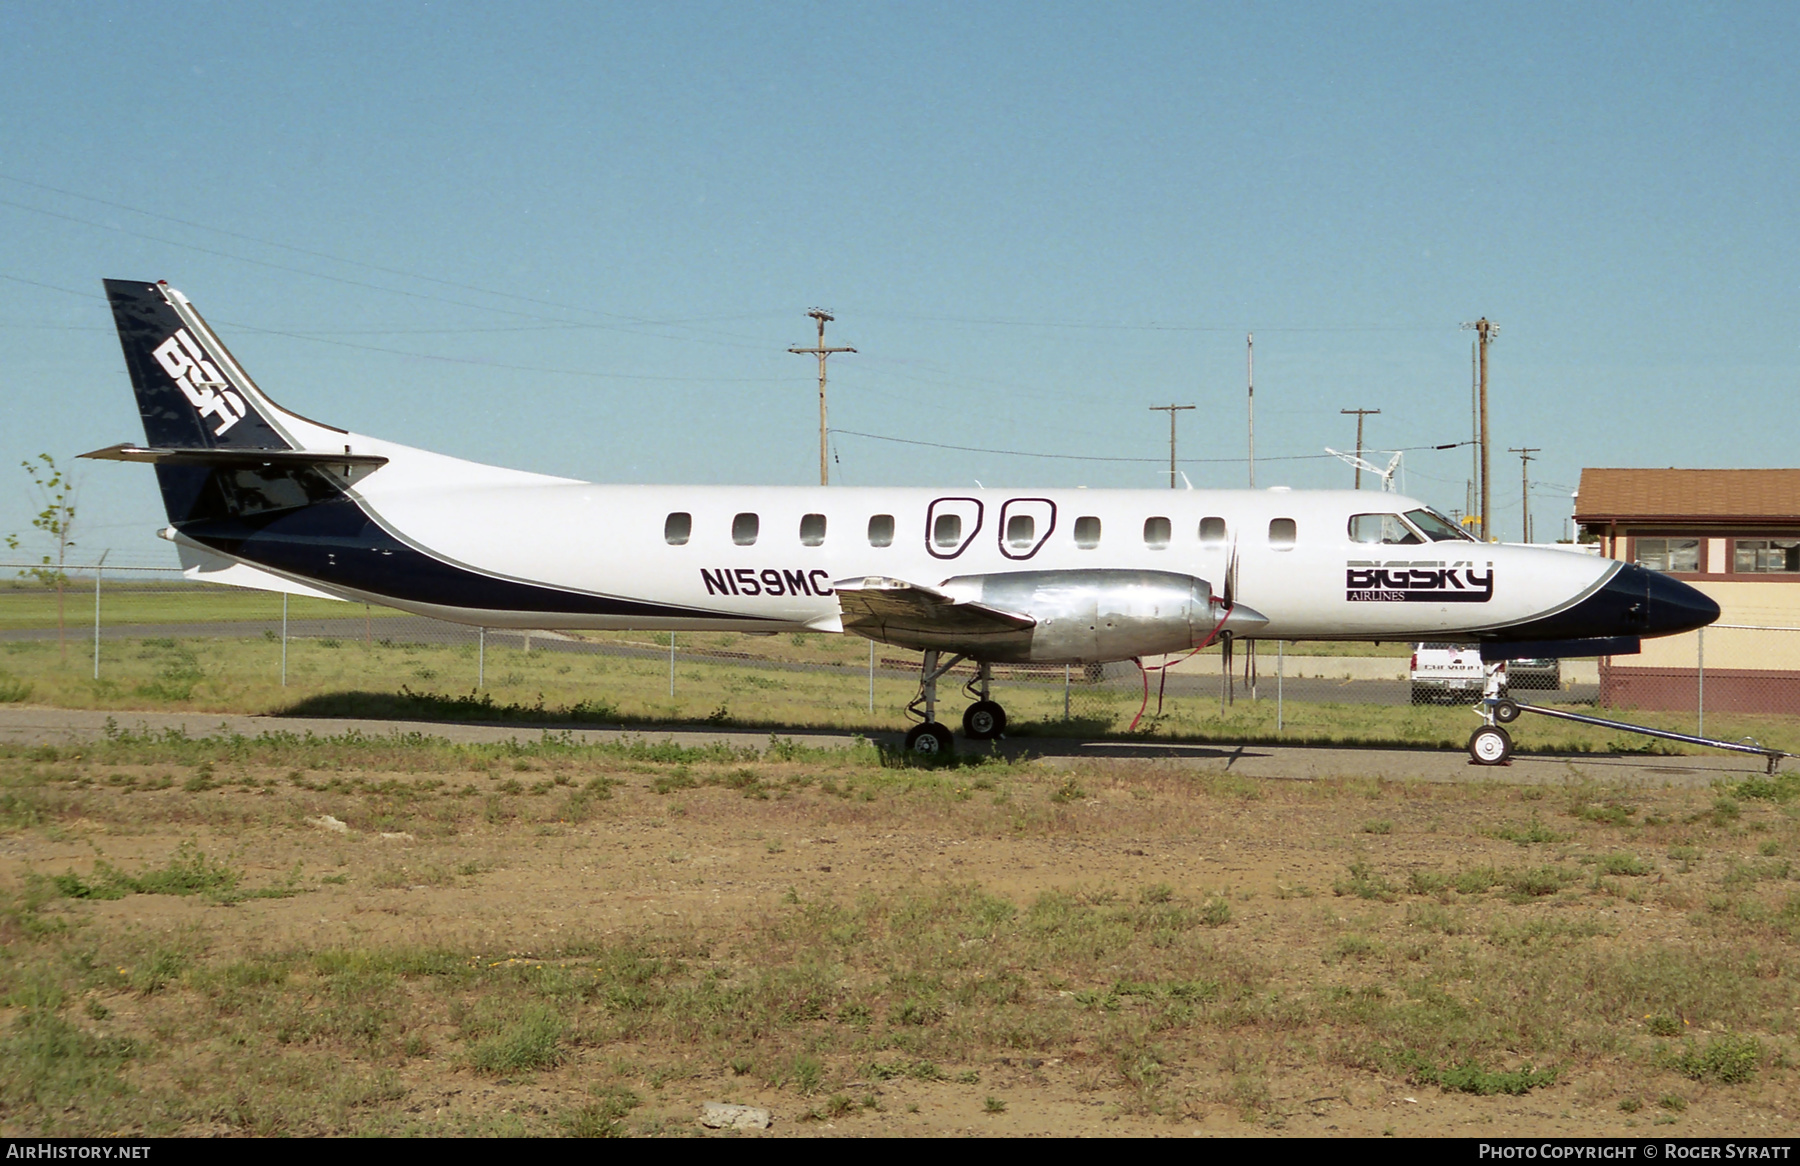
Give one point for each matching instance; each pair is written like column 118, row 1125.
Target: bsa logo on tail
column 200, row 382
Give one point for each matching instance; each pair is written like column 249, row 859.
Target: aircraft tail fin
column 191, row 393
column 223, row 451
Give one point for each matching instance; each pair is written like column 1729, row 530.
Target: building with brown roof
column 1735, row 535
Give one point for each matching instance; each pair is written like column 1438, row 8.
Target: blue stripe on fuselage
column 337, row 543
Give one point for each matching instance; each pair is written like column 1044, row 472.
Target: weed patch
column 1727, row 1059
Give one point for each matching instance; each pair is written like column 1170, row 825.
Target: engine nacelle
column 1100, row 615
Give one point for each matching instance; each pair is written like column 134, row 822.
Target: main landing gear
column 982, row 721
column 985, row 719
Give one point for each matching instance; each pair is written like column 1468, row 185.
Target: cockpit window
column 1386, row 529
column 1437, row 528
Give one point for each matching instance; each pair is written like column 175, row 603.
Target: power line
column 1074, row 457
column 1152, row 327
column 319, row 339
column 637, row 320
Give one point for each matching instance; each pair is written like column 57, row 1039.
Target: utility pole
column 1485, row 333
column 1171, row 410
column 1360, row 414
column 1474, row 496
column 1525, row 459
column 819, row 350
column 1250, row 384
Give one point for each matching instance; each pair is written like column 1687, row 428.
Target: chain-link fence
column 149, row 637
column 1722, row 669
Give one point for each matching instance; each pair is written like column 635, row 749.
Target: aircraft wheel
column 983, row 721
column 930, row 740
column 1505, row 711
column 1490, row 746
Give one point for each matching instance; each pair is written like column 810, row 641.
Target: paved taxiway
column 47, row 726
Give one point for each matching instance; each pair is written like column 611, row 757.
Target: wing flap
column 912, row 614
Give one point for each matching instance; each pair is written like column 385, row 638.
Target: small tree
column 56, row 494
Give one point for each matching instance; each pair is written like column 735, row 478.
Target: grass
column 28, row 604
column 623, row 678
column 1727, row 1059
column 1472, row 1077
column 1448, row 956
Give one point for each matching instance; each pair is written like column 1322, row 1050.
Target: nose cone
column 1671, row 606
column 1633, row 603
column 1640, row 602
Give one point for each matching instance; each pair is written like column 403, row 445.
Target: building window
column 743, row 529
column 1212, row 531
column 1669, row 554
column 1087, row 532
column 1763, row 556
column 1156, row 533
column 1282, row 533
column 812, row 530
column 677, row 528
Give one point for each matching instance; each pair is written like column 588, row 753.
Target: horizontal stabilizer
column 126, row 452
column 895, row 611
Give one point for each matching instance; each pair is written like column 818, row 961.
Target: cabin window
column 743, row 529
column 1386, row 529
column 1212, row 531
column 1670, row 554
column 1156, row 533
column 1021, row 532
column 881, row 530
column 946, row 531
column 812, row 530
column 1282, row 533
column 1087, row 532
column 1760, row 556
column 677, row 528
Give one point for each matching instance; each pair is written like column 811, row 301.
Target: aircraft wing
column 895, row 611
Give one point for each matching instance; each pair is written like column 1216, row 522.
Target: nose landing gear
column 1492, row 745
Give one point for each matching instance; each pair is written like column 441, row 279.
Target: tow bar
column 1492, row 745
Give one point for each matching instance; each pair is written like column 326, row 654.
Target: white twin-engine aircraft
column 1053, row 576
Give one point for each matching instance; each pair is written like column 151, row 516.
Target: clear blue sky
column 579, row 238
